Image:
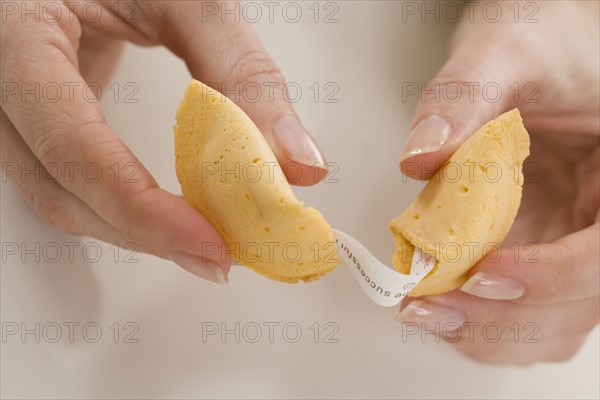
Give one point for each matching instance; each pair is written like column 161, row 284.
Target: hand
column 543, row 297
column 67, row 46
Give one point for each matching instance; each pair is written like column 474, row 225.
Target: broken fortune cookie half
column 229, row 174
column 467, row 208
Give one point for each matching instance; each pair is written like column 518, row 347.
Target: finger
column 58, row 206
column 566, row 270
column 98, row 55
column 229, row 56
column 71, row 130
column 502, row 332
column 523, row 351
column 472, row 88
column 61, row 208
column 587, row 199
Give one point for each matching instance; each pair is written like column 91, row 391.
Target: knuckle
column 462, row 75
column 496, row 353
column 54, row 144
column 55, row 25
column 546, row 295
column 460, row 83
column 49, row 208
column 555, row 294
column 49, row 146
column 135, row 207
column 255, row 66
column 474, row 352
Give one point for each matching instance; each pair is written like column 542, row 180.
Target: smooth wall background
column 368, row 54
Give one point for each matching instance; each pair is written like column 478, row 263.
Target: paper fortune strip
column 383, row 285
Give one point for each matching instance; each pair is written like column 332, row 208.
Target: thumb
column 473, row 87
column 227, row 54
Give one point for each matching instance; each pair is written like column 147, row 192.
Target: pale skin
column 559, row 211
column 63, row 47
column 554, row 285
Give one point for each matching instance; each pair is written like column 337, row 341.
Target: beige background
column 368, row 54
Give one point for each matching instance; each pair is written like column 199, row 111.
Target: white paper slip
column 383, row 285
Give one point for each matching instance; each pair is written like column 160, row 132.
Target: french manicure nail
column 494, row 287
column 427, row 137
column 433, row 316
column 295, row 143
column 197, row 266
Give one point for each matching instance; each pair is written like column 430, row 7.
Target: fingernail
column 433, row 316
column 203, row 268
column 295, row 143
column 427, row 137
column 490, row 286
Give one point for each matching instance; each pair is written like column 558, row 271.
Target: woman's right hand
column 59, row 46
